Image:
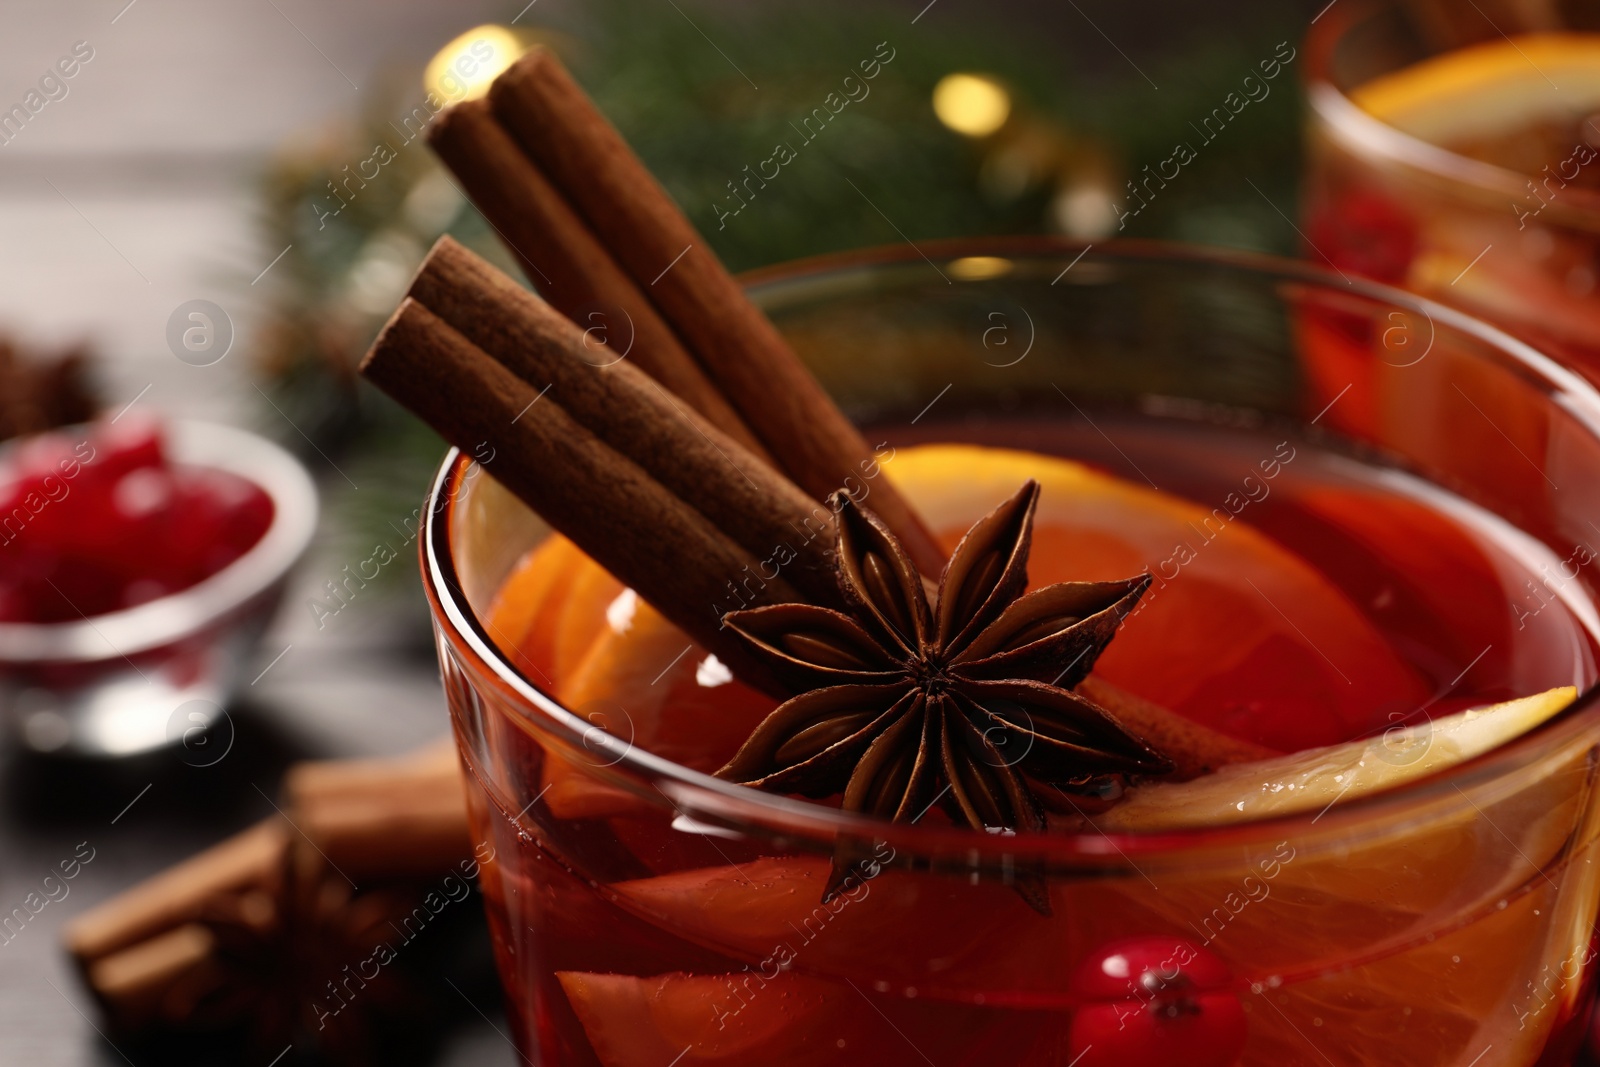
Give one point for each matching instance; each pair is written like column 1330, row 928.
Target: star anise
column 282, row 961
column 965, row 703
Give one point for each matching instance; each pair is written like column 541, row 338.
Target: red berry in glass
column 1153, row 1001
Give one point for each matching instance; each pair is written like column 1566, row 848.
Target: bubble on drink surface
column 202, row 732
column 199, row 332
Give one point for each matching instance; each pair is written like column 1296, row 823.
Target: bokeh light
column 972, row 104
column 464, row 68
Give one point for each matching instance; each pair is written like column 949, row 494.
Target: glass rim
column 1470, row 177
column 682, row 785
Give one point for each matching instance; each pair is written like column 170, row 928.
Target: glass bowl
column 159, row 674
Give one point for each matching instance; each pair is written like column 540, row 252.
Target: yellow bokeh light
column 979, row 268
column 972, row 104
column 464, row 68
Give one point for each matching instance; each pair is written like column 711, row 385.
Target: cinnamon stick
column 617, row 471
column 154, row 953
column 135, row 983
column 1194, row 749
column 247, row 861
column 644, row 534
column 567, row 263
column 757, row 508
column 594, row 169
column 383, row 818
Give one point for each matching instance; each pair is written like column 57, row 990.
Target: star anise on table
column 964, row 702
column 282, row 958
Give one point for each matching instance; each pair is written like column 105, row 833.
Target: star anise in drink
column 964, row 702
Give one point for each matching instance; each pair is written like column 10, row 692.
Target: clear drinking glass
column 1521, row 250
column 646, row 913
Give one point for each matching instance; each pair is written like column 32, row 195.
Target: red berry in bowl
column 131, row 442
column 1155, row 1001
column 100, row 521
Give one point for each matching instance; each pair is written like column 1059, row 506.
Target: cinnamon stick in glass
column 1194, row 749
column 610, row 506
column 756, row 507
column 650, row 238
column 568, row 264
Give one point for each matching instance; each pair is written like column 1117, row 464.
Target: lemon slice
column 1488, row 89
column 1317, row 778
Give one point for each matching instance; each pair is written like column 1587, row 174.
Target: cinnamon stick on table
column 590, row 168
column 571, row 268
column 155, row 952
column 251, row 861
column 383, row 818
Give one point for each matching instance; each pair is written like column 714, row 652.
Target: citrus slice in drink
column 1315, row 779
column 1495, row 92
column 938, row 936
column 520, row 617
column 1522, row 105
column 579, row 625
column 1297, row 909
column 1236, row 632
column 641, row 680
column 1266, row 664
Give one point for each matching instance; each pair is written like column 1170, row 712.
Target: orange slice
column 1281, row 656
column 1495, row 88
column 1420, row 931
column 643, row 681
column 1237, row 632
column 1314, row 780
column 579, row 624
column 519, row 618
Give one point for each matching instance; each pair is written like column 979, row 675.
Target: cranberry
column 1152, row 1001
column 131, row 442
column 96, row 524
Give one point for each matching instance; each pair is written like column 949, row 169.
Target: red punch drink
column 1470, row 175
column 1385, row 594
